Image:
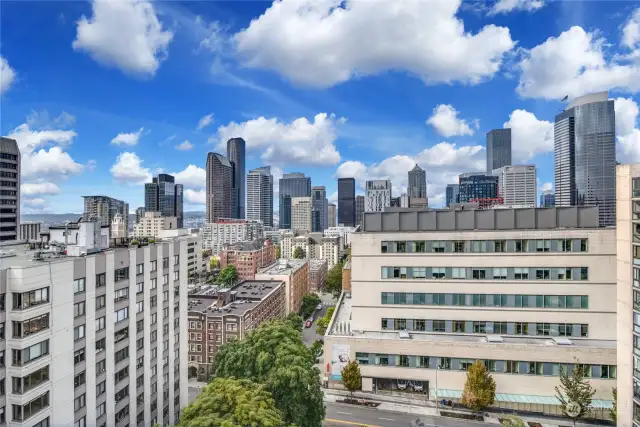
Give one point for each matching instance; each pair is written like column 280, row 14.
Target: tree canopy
column 333, row 280
column 513, row 421
column 309, row 303
column 295, row 320
column 274, row 355
column 278, row 252
column 228, row 276
column 614, row 410
column 230, row 402
column 298, row 253
column 351, row 378
column 323, row 323
column 479, row 389
column 575, row 388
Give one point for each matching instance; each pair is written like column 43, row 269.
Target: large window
column 487, row 300
column 29, row 354
column 78, row 286
column 22, row 413
column 101, row 279
column 121, row 274
column 31, row 326
column 31, row 381
column 121, row 295
column 484, row 273
column 78, row 309
column 78, row 332
column 22, row 301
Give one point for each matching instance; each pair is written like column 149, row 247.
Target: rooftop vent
column 404, row 335
column 562, row 341
column 494, row 339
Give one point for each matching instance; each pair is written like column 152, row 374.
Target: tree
column 513, row 421
column 298, row 253
column 323, row 323
column 214, row 263
column 273, row 354
column 228, row 276
column 278, row 252
column 333, row 280
column 479, row 389
column 317, row 348
column 575, row 388
column 309, row 303
column 227, row 402
column 351, row 378
column 613, row 412
column 295, row 321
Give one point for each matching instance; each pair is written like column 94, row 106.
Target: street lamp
column 436, row 392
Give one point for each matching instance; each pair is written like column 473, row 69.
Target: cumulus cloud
column 205, row 121
column 36, row 188
column 446, row 122
column 34, row 203
column 128, row 168
column 546, row 187
column 631, row 31
column 300, row 142
column 7, row 75
column 191, row 177
column 324, row 43
column 530, row 136
column 627, row 132
column 125, row 34
column 506, row 6
column 184, row 146
column 127, row 138
column 195, row 197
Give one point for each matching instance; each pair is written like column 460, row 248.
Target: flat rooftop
column 283, row 267
column 253, row 245
column 315, row 264
column 248, row 294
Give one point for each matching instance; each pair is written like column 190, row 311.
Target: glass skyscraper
column 452, row 193
column 165, row 196
column 417, row 183
column 498, row 149
column 477, row 186
column 291, row 185
column 236, row 156
column 320, row 205
column 347, row 202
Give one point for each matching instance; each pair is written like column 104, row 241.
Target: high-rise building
column 226, row 231
column 451, row 194
column 477, row 186
column 378, row 195
column 417, row 183
column 236, row 156
column 152, row 224
column 291, row 185
column 301, row 218
column 498, row 149
column 359, row 209
column 140, row 214
column 585, row 155
column 320, row 202
column 331, row 215
column 547, row 199
column 10, row 194
column 260, row 195
column 517, row 185
column 219, row 186
column 165, row 196
column 104, row 209
column 347, row 202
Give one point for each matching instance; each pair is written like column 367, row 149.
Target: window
column 31, row 326
column 543, row 329
column 437, row 246
column 584, row 330
column 165, row 279
column 122, row 314
column 608, row 371
column 584, row 273
column 82, row 422
column 382, row 359
column 140, row 344
column 29, row 299
column 121, row 374
column 121, row 294
column 565, row 245
column 29, row 354
column 101, row 279
column 176, row 260
column 444, row 363
column 100, row 323
column 78, row 332
column 479, row 274
column 79, row 379
column 140, row 288
column 121, row 394
column 419, row 325
column 140, row 381
column 101, row 301
column 500, row 328
column 139, row 269
column 78, row 309
column 154, row 336
column 438, row 273
column 438, row 326
column 22, row 413
column 583, row 245
column 500, row 273
column 121, row 274
column 564, row 273
column 543, row 245
column 511, row 367
column 154, row 283
column 153, row 301
column 459, row 326
column 419, row 273
column 31, row 381
column 78, row 356
column 120, row 335
column 458, row 273
column 101, row 345
column 121, row 355
column 154, row 265
column 535, row 368
column 165, row 262
column 403, row 361
column 500, row 245
column 139, row 362
column 521, row 273
column 78, row 286
column 139, row 306
column 521, row 245
column 101, row 409
column 542, row 274
column 521, row 328
column 154, row 318
column 165, row 296
column 458, row 246
column 165, row 313
column 479, row 327
column 176, row 275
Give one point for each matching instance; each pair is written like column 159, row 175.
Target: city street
column 309, row 334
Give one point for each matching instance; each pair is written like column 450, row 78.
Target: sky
column 103, row 94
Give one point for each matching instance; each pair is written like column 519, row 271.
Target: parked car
column 308, row 323
column 319, row 307
column 402, row 384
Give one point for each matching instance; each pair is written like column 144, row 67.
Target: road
column 309, row 334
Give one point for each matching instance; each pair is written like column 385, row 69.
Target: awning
column 525, row 398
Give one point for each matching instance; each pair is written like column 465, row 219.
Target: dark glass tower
column 498, row 149
column 417, row 183
column 165, row 196
column 474, row 186
column 320, row 205
column 347, row 202
column 291, row 185
column 236, row 156
column 452, row 192
column 218, row 187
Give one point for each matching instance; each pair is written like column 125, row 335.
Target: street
column 309, row 334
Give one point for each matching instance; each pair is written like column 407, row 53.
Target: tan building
column 314, row 245
column 248, row 257
column 153, row 223
column 301, row 213
column 216, row 317
column 317, row 274
column 527, row 291
column 346, row 277
column 295, row 274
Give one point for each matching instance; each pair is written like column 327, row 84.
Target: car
column 319, row 307
column 308, row 323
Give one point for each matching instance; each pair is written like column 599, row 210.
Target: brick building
column 248, row 257
column 295, row 274
column 317, row 273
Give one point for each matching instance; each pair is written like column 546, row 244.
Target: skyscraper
column 417, row 183
column 291, row 185
column 10, row 197
column 165, row 196
column 359, row 210
column 452, row 193
column 477, row 186
column 104, row 209
column 236, row 156
column 547, row 199
column 517, row 185
column 320, row 202
column 347, row 202
column 585, row 155
column 260, row 195
column 378, row 195
column 331, row 209
column 498, row 149
column 218, row 187
column 301, row 213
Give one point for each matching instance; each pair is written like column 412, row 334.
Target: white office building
column 152, row 224
column 517, row 185
column 30, row 231
column 228, row 231
column 314, row 245
column 301, row 213
column 378, row 195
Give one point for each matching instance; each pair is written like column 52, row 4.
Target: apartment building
column 219, row 316
column 153, row 223
column 248, row 257
column 94, row 340
column 343, row 232
column 10, row 167
column 301, row 208
column 317, row 274
column 227, row 231
column 378, row 195
column 104, row 209
column 295, row 275
column 30, row 231
column 314, row 245
column 527, row 291
column 517, row 185
column 331, row 250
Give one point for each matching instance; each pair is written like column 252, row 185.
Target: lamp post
column 436, row 392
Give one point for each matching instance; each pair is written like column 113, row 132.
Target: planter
column 359, row 402
column 462, row 415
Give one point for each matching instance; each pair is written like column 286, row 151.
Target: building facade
column 139, row 214
column 165, row 196
column 219, row 184
column 104, row 209
column 227, row 231
column 332, row 214
column 236, row 156
column 417, row 183
column 585, row 155
column 359, row 209
column 295, row 275
column 451, row 194
column 301, row 218
column 153, row 223
column 30, row 231
column 418, row 202
column 347, row 202
column 474, row 186
column 291, row 185
column 517, row 185
column 498, row 149
column 378, row 195
column 260, row 195
column 248, row 257
column 320, row 205
column 10, row 167
column 317, row 274
column 547, row 199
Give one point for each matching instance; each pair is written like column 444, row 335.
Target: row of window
column 486, row 273
column 480, row 246
column 24, row 412
column 486, row 300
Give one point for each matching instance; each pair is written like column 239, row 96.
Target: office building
column 347, row 202
column 547, row 199
column 217, row 317
column 227, row 231
column 301, row 219
column 10, row 195
column 291, row 185
column 585, row 155
column 218, row 188
column 359, row 209
column 517, row 185
column 417, row 183
column 451, row 194
column 378, row 195
column 153, row 223
column 477, row 186
column 526, row 291
column 236, row 156
column 97, row 339
column 314, row 246
column 30, row 231
column 320, row 205
column 139, row 214
column 295, row 275
column 260, row 195
column 248, row 257
column 343, row 232
column 104, row 209
column 498, row 149
column 332, row 214
column 165, row 196
column 418, row 202
column 317, row 274
column 119, row 227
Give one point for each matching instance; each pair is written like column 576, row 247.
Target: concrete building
column 477, row 186
column 295, row 275
column 104, row 209
column 79, row 234
column 218, row 316
column 347, row 202
column 378, row 195
column 418, row 202
column 331, row 250
column 498, row 149
column 291, row 185
column 585, row 155
column 451, row 194
column 119, row 227
column 320, row 205
column 30, row 231
column 139, row 214
column 314, row 246
column 527, row 291
column 98, row 339
column 236, row 156
column 163, row 195
column 248, row 257
column 275, row 236
column 547, row 199
column 359, row 209
column 10, row 167
column 227, row 231
column 417, row 187
column 343, row 232
column 153, row 223
column 332, row 214
column 517, row 185
column 219, row 184
column 317, row 274
column 301, row 213
column 260, row 195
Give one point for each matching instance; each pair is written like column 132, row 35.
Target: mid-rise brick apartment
column 217, row 316
column 317, row 274
column 248, row 257
column 295, row 274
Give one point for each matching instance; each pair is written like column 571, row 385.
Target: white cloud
column 530, row 136
column 184, row 146
column 446, row 122
column 324, row 43
column 631, row 31
column 7, row 75
column 195, row 197
column 34, row 203
column 299, row 142
column 128, row 168
column 546, row 186
column 505, row 6
column 191, row 177
column 205, row 121
column 127, row 138
column 42, row 119
column 52, row 161
column 36, row 188
column 125, row 34
column 628, row 134
column 333, row 197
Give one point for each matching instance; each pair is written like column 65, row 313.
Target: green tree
column 278, row 252
column 575, row 388
column 317, row 348
column 309, row 303
column 228, row 402
column 333, row 280
column 274, row 355
column 323, row 323
column 613, row 412
column 214, row 263
column 295, row 321
column 351, row 378
column 298, row 253
column 228, row 276
column 479, row 389
column 513, row 421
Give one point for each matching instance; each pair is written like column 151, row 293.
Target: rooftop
column 316, row 264
column 283, row 267
column 244, row 296
column 253, row 245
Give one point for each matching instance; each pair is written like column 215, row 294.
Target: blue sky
column 103, row 94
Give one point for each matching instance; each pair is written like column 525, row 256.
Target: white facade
column 84, row 234
column 343, row 232
column 314, row 245
column 331, row 215
column 378, row 195
column 153, row 223
column 301, row 213
column 119, row 227
column 517, row 185
column 227, row 231
column 30, row 231
column 331, row 250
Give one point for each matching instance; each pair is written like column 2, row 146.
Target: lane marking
column 386, row 419
column 350, row 423
column 343, row 413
